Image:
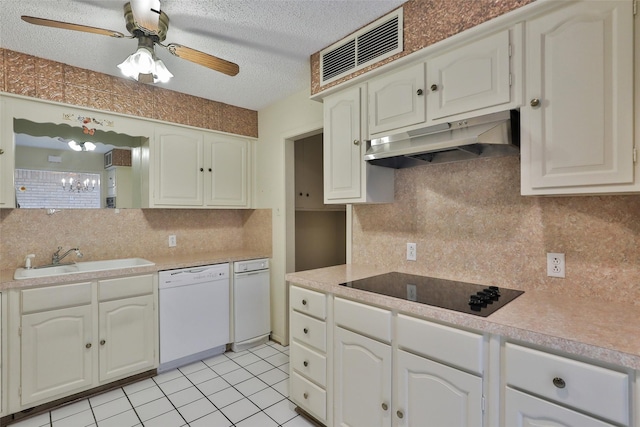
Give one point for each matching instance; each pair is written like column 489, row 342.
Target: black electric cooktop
column 468, row 298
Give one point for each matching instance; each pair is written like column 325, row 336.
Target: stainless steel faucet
column 56, row 258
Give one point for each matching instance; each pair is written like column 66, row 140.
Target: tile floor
column 245, row 389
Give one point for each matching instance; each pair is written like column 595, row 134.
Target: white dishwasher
column 194, row 314
column 251, row 303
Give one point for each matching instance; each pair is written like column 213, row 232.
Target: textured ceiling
column 271, row 40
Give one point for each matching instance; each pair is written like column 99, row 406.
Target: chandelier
column 78, row 186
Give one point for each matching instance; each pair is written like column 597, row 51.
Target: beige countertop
column 161, row 263
column 607, row 332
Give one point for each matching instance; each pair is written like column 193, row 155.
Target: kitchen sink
column 80, row 267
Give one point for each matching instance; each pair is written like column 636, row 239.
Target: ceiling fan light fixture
column 74, row 145
column 139, row 62
column 161, row 73
column 83, row 146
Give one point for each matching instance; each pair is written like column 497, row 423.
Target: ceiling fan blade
column 204, row 59
column 68, row 26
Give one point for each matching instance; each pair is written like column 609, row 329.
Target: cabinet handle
column 385, row 406
column 201, row 169
column 88, row 345
column 559, row 382
column 304, row 302
column 419, row 92
column 305, row 330
column 434, row 88
column 102, row 342
column 356, row 142
column 210, row 170
column 400, row 414
column 305, row 363
column 1, row 151
column 305, row 395
column 535, row 102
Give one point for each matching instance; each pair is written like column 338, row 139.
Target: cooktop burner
column 459, row 296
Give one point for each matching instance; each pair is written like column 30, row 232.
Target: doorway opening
column 320, row 229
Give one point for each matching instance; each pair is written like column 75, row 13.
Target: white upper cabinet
column 200, row 169
column 397, row 99
column 7, row 192
column 578, row 120
column 226, row 171
column 347, row 178
column 470, row 77
column 178, row 178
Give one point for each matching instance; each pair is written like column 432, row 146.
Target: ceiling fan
column 148, row 24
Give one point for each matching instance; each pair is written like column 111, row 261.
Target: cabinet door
column 469, row 78
column 444, row 396
column 578, row 122
column 56, row 353
column 127, row 337
column 178, row 175
column 343, row 158
column 308, row 174
column 397, row 100
column 523, row 410
column 362, row 383
column 7, row 163
column 226, row 172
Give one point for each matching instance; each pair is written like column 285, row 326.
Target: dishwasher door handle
column 250, row 273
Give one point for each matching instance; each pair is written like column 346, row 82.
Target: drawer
column 445, row 344
column 125, row 287
column 309, row 363
column 371, row 321
column 309, row 396
column 523, row 409
column 308, row 302
column 599, row 391
column 308, row 330
column 56, row 297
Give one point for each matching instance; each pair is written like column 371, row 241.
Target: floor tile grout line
column 132, row 407
column 204, row 395
column 167, row 397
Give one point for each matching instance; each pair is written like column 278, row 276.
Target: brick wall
column 43, row 189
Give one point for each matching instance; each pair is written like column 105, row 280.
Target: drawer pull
column 102, row 342
column 305, row 330
column 88, row 345
column 305, row 395
column 384, row 406
column 304, row 302
column 559, row 382
column 305, row 363
column 400, row 414
column 535, row 102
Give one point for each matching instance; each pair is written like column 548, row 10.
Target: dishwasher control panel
column 251, row 265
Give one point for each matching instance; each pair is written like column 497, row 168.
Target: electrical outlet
column 411, row 251
column 555, row 265
column 172, row 241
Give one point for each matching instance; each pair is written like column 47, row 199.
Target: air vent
column 373, row 43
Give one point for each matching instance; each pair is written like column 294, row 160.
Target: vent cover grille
column 376, row 41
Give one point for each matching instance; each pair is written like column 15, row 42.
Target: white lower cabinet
column 362, row 381
column 57, row 355
column 432, row 394
column 308, row 359
column 544, row 389
column 77, row 336
column 357, row 365
column 523, row 410
column 126, row 336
